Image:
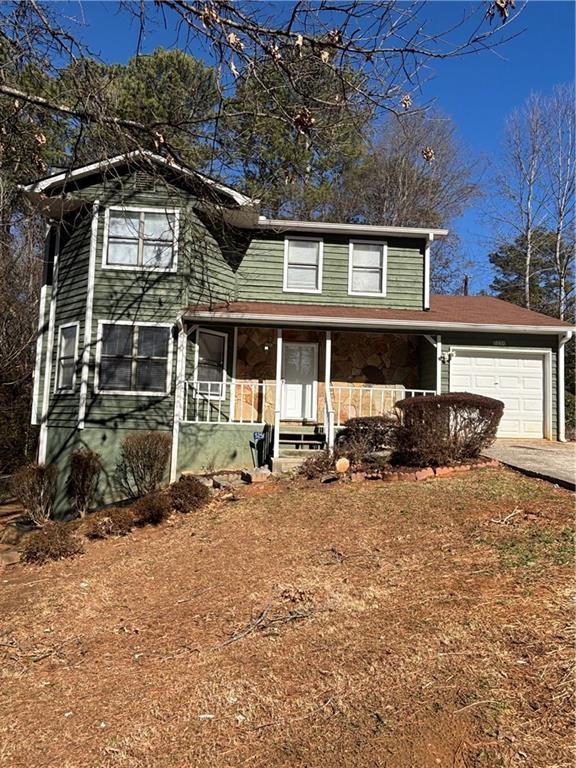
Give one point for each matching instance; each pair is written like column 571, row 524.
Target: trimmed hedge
column 114, row 521
column 54, row 541
column 152, row 509
column 445, row 429
column 188, row 494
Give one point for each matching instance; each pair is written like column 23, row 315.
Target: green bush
column 152, row 509
column 144, row 458
column 35, row 488
column 444, row 429
column 116, row 521
column 188, row 494
column 54, row 541
column 85, row 469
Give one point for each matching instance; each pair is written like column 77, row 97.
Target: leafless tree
column 559, row 165
column 535, row 189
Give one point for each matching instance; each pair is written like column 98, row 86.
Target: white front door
column 300, row 374
column 516, row 379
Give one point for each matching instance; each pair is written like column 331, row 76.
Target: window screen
column 303, row 265
column 141, row 239
column 367, row 268
column 67, row 357
column 134, row 358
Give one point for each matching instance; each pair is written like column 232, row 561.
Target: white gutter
column 348, row 229
column 353, row 322
column 564, row 338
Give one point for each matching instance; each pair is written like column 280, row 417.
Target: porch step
column 288, row 463
column 298, row 440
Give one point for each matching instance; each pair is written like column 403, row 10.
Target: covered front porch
column 297, row 386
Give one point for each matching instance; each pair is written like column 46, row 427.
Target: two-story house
column 170, row 304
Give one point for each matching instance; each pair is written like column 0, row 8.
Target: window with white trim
column 67, row 354
column 211, row 363
column 141, row 239
column 134, row 358
column 367, row 269
column 303, row 265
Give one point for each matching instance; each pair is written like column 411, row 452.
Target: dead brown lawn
column 398, row 625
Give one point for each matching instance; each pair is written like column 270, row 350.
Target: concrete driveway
column 555, row 462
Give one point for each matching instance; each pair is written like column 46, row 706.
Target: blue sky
column 477, row 92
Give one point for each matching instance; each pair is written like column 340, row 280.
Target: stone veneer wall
column 358, row 360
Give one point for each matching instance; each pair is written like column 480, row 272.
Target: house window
column 67, row 355
column 141, row 239
column 303, row 265
column 367, row 270
column 134, row 358
column 211, row 365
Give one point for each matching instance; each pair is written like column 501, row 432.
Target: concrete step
column 289, row 463
column 302, row 453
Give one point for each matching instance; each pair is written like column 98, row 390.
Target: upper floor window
column 141, row 239
column 67, row 356
column 367, row 268
column 303, row 265
column 134, row 358
column 211, row 363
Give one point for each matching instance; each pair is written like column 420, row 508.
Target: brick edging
column 426, row 473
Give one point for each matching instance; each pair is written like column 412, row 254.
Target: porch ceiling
column 475, row 313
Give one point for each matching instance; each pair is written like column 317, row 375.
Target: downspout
column 426, row 299
column 562, row 340
column 179, row 393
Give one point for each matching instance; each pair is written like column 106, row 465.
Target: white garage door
column 517, row 381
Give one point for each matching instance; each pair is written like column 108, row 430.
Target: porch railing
column 240, row 402
column 351, row 401
column 255, row 402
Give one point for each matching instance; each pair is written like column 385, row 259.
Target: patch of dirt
column 367, row 624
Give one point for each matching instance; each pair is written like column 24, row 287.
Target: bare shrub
column 365, row 435
column 116, row 521
column 152, row 509
column 54, row 542
column 320, row 463
column 143, row 462
column 85, row 468
column 188, row 494
column 35, row 488
column 444, row 429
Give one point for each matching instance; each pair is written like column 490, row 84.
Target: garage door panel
column 517, row 381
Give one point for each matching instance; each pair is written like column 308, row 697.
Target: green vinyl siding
column 500, row 342
column 261, row 273
column 69, row 295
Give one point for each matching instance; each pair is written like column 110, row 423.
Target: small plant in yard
column 320, row 463
column 152, row 509
column 85, row 468
column 444, row 429
column 188, row 494
column 54, row 542
column 116, row 521
column 35, row 488
column 366, row 435
column 143, row 462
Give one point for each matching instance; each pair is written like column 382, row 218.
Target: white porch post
column 329, row 415
column 233, row 380
column 438, row 365
column 561, row 371
column 278, row 395
column 179, row 393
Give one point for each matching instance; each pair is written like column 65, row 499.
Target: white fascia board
column 348, row 229
column 366, row 323
column 103, row 165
